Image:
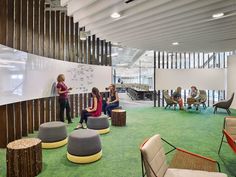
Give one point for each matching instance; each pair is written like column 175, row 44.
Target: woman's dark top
column 113, row 97
column 176, row 95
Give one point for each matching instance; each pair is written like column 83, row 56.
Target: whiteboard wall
column 26, row 76
column 204, row 79
column 231, row 79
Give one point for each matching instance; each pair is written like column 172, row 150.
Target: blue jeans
column 109, row 108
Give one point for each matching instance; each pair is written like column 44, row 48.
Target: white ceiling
column 155, row 24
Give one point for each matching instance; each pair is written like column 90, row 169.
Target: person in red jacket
column 95, row 110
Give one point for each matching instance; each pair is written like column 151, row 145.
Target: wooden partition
column 32, row 26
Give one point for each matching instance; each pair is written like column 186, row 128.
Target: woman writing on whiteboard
column 95, row 110
column 63, row 91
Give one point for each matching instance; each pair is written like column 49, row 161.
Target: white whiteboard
column 204, row 79
column 26, row 76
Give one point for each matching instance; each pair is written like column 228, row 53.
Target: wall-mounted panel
column 231, row 72
column 206, row 79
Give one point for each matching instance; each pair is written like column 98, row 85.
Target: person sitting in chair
column 193, row 96
column 177, row 97
column 112, row 102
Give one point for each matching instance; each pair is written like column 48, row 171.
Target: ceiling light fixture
column 218, row 15
column 115, row 15
column 175, row 43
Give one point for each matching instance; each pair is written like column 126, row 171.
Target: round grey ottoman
column 84, row 146
column 101, row 124
column 53, row 134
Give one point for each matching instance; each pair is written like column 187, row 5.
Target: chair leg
column 166, row 106
column 228, row 111
column 215, row 109
column 221, row 143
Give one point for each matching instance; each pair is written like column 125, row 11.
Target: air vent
column 128, row 1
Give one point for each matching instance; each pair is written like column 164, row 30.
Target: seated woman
column 112, row 102
column 95, row 110
column 193, row 96
column 177, row 97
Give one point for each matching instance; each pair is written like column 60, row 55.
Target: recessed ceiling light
column 218, row 15
column 175, row 43
column 115, row 15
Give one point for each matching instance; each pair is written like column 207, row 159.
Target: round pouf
column 84, row 146
column 118, row 117
column 53, row 134
column 101, row 124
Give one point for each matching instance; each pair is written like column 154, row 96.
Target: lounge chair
column 184, row 163
column 169, row 101
column 225, row 104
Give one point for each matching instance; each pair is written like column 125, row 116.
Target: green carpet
column 199, row 132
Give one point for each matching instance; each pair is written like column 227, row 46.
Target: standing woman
column 112, row 102
column 63, row 91
column 95, row 110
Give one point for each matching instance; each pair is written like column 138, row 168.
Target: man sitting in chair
column 193, row 96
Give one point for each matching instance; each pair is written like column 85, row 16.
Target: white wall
column 231, row 79
column 27, row 76
column 205, row 79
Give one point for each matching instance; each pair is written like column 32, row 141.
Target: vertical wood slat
column 89, row 49
column 67, row 22
column 80, row 103
column 76, row 105
column 17, row 22
column 57, row 35
column 47, row 34
column 71, row 40
column 52, row 34
column 42, row 112
column 110, row 57
column 10, row 23
column 23, row 35
column 30, row 27
column 47, row 109
column 36, row 27
column 93, row 49
column 62, row 35
column 98, row 52
column 57, row 109
column 85, row 100
column 36, row 114
column 80, row 47
column 41, row 27
column 3, row 22
column 106, row 62
column 76, row 39
column 72, row 106
column 30, row 116
column 18, row 117
column 102, row 52
column 3, row 126
column 10, row 123
column 24, row 118
column 53, row 108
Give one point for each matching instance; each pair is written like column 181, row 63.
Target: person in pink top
column 95, row 110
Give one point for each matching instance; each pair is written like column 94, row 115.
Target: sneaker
column 189, row 107
column 79, row 126
column 84, row 125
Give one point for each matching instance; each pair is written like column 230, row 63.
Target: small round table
column 118, row 117
column 24, row 157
